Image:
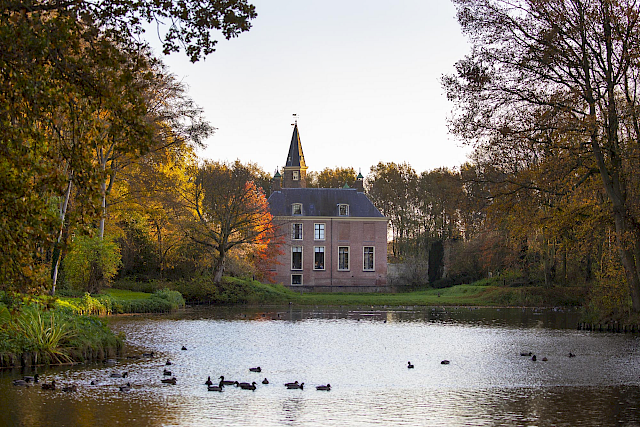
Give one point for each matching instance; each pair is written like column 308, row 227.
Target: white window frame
column 324, row 257
column 296, row 175
column 341, row 207
column 301, row 279
column 319, row 231
column 348, row 250
column 296, row 249
column 296, row 209
column 293, row 231
column 373, row 258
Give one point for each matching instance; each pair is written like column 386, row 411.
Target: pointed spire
column 295, row 157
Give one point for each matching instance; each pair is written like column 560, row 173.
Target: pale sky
column 362, row 75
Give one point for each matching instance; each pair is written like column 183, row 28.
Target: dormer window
column 343, row 210
column 296, row 209
column 296, row 175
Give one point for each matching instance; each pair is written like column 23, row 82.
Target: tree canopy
column 229, row 211
column 76, row 85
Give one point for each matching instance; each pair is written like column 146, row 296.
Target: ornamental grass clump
column 43, row 335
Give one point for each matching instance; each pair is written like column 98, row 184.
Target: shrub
column 174, row 298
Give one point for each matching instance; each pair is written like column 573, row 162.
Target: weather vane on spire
column 295, row 118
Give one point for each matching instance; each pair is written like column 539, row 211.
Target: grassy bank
column 36, row 331
column 460, row 295
column 238, row 291
column 119, row 301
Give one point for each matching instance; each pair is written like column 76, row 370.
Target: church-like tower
column 295, row 169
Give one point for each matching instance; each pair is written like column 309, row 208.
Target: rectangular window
column 368, row 258
column 343, row 210
column 318, row 231
column 296, row 279
column 296, row 175
column 296, row 258
column 318, row 258
column 296, row 209
column 343, row 257
column 296, row 231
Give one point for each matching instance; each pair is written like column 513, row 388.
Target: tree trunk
column 626, row 238
column 57, row 252
column 218, row 267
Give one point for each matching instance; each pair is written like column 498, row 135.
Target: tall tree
column 229, row 210
column 392, row 189
column 559, row 78
column 439, row 200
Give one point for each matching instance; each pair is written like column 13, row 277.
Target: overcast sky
column 362, row 75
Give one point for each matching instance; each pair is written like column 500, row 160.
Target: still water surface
column 363, row 354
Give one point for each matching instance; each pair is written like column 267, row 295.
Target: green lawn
column 125, row 295
column 456, row 295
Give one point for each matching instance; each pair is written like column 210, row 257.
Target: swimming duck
column 20, row 382
column 246, row 386
column 184, row 348
column 166, row 373
column 295, row 386
column 218, row 387
column 226, row 382
column 70, row 388
column 526, row 353
column 150, row 354
column 50, row 386
column 324, row 387
column 208, row 381
column 169, row 381
column 117, row 375
column 291, row 384
column 126, row 387
column 445, row 362
column 168, row 362
column 571, row 354
column 255, row 369
column 534, row 358
column 265, row 381
column 30, row 379
column 409, row 365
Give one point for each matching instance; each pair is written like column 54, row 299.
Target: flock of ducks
column 222, row 383
column 253, row 385
column 535, row 358
column 29, row 380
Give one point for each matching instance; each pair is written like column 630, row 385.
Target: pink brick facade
column 321, row 265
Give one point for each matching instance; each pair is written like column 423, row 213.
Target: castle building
column 335, row 238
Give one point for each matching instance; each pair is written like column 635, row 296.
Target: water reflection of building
column 335, row 238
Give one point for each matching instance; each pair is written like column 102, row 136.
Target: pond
column 363, row 353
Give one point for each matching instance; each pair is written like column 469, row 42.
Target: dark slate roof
column 295, row 157
column 322, row 202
